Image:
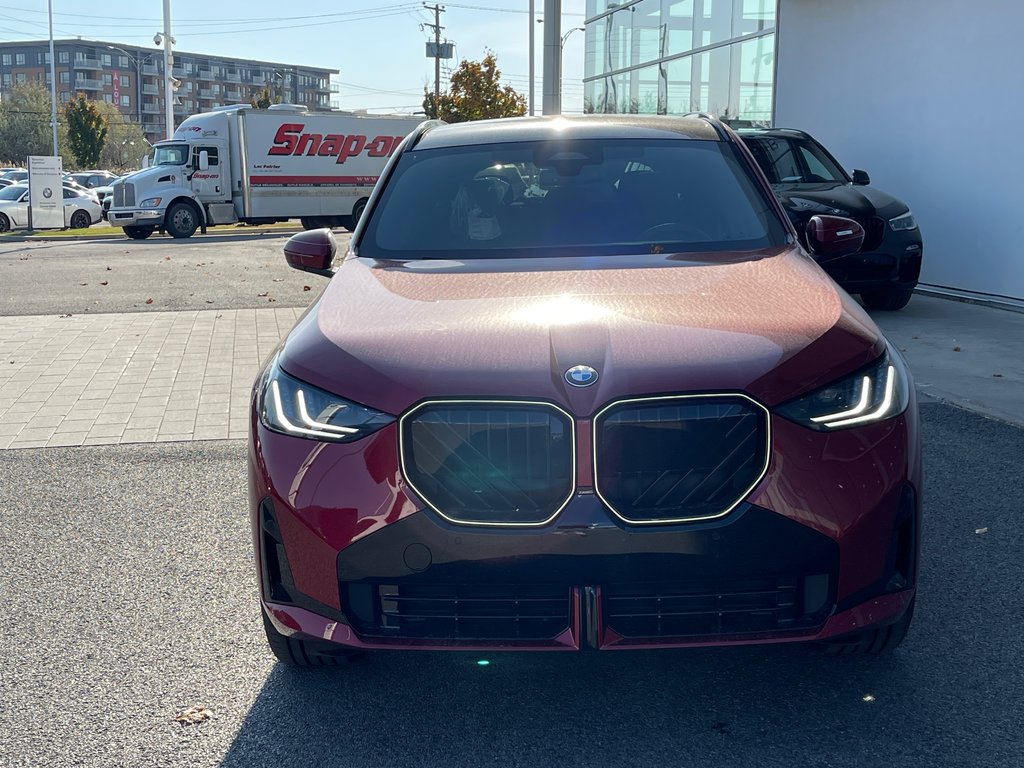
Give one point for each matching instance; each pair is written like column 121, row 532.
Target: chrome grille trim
column 406, row 475
column 596, row 423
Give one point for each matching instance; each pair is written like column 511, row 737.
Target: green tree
column 126, row 143
column 263, row 99
column 87, row 131
column 475, row 93
column 25, row 123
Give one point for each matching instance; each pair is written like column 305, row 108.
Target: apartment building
column 132, row 77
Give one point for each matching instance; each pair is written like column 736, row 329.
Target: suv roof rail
column 423, row 129
column 715, row 122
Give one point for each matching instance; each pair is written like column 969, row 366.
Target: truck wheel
column 80, row 220
column 139, row 233
column 314, row 222
column 357, row 213
column 181, row 220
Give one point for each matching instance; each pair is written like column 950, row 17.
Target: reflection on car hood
column 389, row 334
column 841, row 199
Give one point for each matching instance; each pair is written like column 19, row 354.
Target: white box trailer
column 239, row 164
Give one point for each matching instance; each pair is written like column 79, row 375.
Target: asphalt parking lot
column 129, row 596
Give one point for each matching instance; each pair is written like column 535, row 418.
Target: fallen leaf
column 149, row 301
column 193, row 716
column 209, row 301
column 956, row 349
column 109, row 269
column 271, row 299
column 104, row 283
column 915, row 337
column 981, row 531
column 201, row 264
column 261, row 295
column 997, row 375
column 167, row 258
column 306, row 288
column 83, row 283
column 278, row 279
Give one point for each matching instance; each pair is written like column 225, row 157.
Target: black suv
column 809, row 181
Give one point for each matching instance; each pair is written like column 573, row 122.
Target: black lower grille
column 459, row 612
column 710, row 609
column 490, row 463
column 679, row 458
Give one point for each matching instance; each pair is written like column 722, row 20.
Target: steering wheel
column 673, row 231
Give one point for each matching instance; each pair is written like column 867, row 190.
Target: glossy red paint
column 311, row 251
column 769, row 324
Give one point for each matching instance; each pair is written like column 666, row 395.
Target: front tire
column 5, row 223
column 80, row 220
column 181, row 220
column 887, row 301
column 139, row 233
column 874, row 642
column 302, row 653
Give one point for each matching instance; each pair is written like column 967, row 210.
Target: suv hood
column 838, row 199
column 389, row 334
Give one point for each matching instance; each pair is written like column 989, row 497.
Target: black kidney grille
column 874, row 232
column 728, row 607
column 674, row 460
column 500, row 464
column 468, row 611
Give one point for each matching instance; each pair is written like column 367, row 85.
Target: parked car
column 94, row 179
column 80, row 210
column 810, row 181
column 16, row 174
column 614, row 406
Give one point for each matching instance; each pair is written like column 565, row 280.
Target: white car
column 80, row 209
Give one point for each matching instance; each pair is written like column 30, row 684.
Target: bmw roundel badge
column 581, row 376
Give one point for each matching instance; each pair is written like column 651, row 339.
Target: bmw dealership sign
column 45, row 192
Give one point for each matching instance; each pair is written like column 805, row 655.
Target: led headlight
column 293, row 407
column 904, row 222
column 151, row 202
column 875, row 393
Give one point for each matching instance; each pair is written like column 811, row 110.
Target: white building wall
column 928, row 97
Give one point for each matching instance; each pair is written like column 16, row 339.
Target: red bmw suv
column 577, row 384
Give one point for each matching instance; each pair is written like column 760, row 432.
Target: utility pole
column 168, row 69
column 532, row 16
column 552, row 57
column 53, row 84
column 438, row 10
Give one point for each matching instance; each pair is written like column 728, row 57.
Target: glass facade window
column 678, row 56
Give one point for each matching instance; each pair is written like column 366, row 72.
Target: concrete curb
column 119, row 238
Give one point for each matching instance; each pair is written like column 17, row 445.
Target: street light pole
column 168, row 76
column 552, row 57
column 532, row 65
column 53, row 83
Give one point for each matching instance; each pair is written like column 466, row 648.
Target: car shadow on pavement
column 945, row 698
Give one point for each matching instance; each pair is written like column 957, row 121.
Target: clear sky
column 377, row 45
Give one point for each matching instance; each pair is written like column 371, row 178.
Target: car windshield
column 793, row 160
column 13, row 192
column 570, row 198
column 170, row 154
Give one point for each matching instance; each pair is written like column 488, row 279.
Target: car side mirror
column 311, row 251
column 204, row 160
column 861, row 177
column 834, row 235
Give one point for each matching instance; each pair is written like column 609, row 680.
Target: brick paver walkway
column 132, row 378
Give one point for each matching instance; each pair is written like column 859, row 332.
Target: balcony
column 233, row 95
column 87, row 62
column 207, row 74
column 150, row 69
column 233, row 77
column 151, row 90
column 180, row 72
column 259, row 81
column 205, row 93
column 88, row 85
column 151, row 108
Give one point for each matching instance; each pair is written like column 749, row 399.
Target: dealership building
column 918, row 93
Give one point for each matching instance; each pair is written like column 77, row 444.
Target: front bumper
column 824, row 546
column 135, row 217
column 894, row 264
